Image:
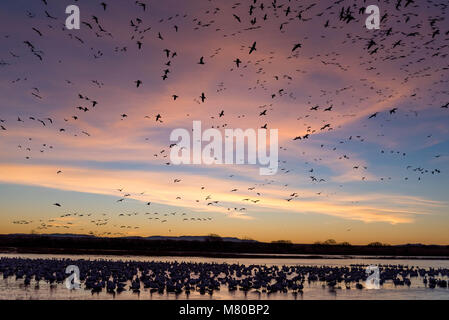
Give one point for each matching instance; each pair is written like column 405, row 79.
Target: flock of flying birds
column 418, row 42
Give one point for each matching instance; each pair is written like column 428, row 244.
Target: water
column 12, row 289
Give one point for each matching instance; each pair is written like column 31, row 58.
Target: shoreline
column 222, row 255
column 212, row 248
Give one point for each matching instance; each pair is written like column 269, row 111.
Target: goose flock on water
column 115, row 277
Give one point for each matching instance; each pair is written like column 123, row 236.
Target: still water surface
column 12, row 289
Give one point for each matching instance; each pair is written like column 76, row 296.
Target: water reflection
column 219, row 278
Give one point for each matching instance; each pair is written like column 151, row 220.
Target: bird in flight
column 393, row 110
column 296, row 46
column 237, row 62
column 252, row 48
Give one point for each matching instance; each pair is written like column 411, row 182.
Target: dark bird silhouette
column 397, row 43
column 393, row 110
column 252, row 48
column 50, row 16
column 143, row 5
column 38, row 32
column 29, row 44
column 87, row 24
column 296, row 46
column 371, row 44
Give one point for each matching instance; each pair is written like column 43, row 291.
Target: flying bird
column 237, row 62
column 252, row 48
column 296, row 46
column 393, row 110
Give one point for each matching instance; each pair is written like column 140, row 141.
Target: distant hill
column 207, row 246
column 198, row 238
column 162, row 238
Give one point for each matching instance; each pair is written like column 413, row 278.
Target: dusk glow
column 361, row 115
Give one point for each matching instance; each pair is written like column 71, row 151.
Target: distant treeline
column 211, row 247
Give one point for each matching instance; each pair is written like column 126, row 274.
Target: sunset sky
column 401, row 196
